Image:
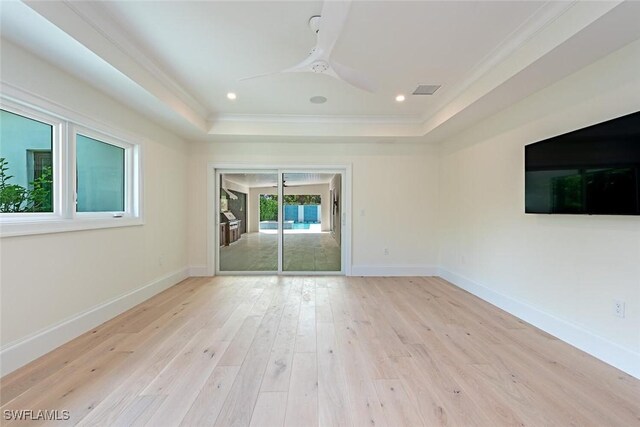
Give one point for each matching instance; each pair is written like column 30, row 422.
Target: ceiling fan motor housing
column 320, row 66
column 327, row 27
column 314, row 23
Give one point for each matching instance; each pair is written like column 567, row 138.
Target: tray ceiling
column 189, row 55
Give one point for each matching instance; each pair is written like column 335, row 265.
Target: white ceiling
column 188, row 55
column 208, row 46
column 253, row 180
column 23, row 26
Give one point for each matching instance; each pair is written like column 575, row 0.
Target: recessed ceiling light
column 231, row 95
column 318, row 99
column 400, row 98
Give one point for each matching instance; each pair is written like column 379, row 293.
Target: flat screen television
column 590, row 171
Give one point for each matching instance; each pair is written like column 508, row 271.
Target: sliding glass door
column 308, row 241
column 248, row 225
column 279, row 221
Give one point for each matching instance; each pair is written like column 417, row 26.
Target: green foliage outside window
column 302, row 199
column 269, row 204
column 16, row 198
column 268, row 207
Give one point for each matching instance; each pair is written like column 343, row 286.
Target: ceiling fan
column 328, row 27
column 285, row 185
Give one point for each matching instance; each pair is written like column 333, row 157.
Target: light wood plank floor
column 305, row 351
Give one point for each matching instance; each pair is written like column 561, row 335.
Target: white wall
column 570, row 268
column 47, row 279
column 385, row 176
column 471, row 189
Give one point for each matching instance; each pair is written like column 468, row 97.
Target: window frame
column 130, row 155
column 58, row 134
column 64, row 217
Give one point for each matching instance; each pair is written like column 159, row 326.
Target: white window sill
column 26, row 228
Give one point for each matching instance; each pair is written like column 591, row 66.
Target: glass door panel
column 248, row 223
column 311, row 232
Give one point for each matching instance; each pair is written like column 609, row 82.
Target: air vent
column 426, row 89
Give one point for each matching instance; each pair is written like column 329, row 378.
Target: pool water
column 287, row 225
column 300, row 226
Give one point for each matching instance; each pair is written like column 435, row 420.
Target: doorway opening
column 279, row 221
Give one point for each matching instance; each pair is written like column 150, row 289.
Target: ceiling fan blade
column 304, row 65
column 353, row 77
column 332, row 20
column 259, row 76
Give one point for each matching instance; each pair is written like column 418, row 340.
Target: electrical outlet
column 618, row 308
column 386, row 251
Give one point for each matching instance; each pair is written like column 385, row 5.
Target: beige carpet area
column 302, row 252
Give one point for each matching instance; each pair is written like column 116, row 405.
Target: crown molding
column 90, row 25
column 553, row 24
column 300, row 118
column 546, row 14
column 292, row 125
column 551, row 28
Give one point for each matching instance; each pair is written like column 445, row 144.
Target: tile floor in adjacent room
column 302, row 252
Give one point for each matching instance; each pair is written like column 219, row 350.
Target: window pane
column 248, row 222
column 26, row 171
column 100, row 176
column 310, row 239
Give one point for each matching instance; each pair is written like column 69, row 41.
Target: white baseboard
column 394, row 270
column 199, row 271
column 23, row 351
column 622, row 358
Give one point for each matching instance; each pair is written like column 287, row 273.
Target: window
column 38, row 162
column 26, row 164
column 99, row 176
column 59, row 175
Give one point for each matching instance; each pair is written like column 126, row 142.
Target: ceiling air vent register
column 426, row 89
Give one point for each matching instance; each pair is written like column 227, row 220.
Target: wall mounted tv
column 590, row 171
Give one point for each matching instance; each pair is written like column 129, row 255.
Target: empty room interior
column 300, row 213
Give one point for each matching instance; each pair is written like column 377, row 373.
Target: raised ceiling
column 210, row 45
column 188, row 55
column 253, row 180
